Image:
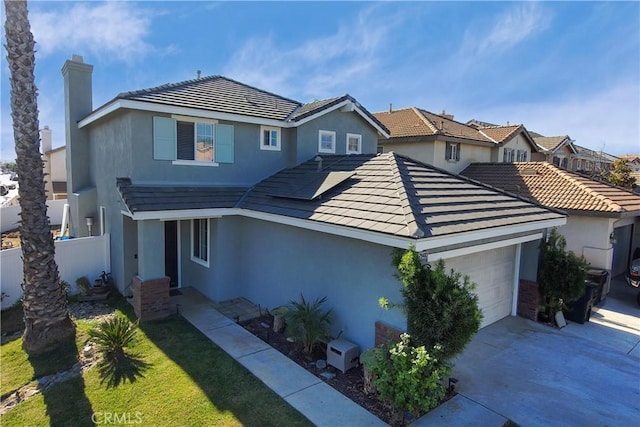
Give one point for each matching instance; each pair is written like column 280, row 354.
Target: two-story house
column 238, row 192
column 439, row 140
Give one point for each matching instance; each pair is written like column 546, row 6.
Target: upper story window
column 508, row 154
column 200, row 241
column 354, row 143
column 326, row 141
column 564, row 163
column 193, row 142
column 521, row 156
column 579, row 164
column 452, row 152
column 587, row 165
column 556, row 160
column 269, row 138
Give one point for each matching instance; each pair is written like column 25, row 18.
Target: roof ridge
column 202, row 79
column 406, row 206
column 418, row 112
column 571, row 177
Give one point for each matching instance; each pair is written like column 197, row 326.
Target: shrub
column 84, row 285
column 308, row 323
column 408, row 378
column 561, row 274
column 113, row 336
column 442, row 311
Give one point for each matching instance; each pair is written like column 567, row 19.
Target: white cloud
column 108, row 30
column 512, row 27
column 318, row 67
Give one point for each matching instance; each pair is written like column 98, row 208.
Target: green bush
column 308, row 323
column 113, row 336
column 442, row 311
column 561, row 274
column 408, row 378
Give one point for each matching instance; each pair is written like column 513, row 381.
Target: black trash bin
column 580, row 311
column 598, row 276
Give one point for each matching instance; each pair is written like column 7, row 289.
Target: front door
column 171, row 252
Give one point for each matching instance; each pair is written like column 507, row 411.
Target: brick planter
column 151, row 298
column 386, row 333
column 528, row 299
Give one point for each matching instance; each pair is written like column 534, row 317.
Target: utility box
column 342, row 355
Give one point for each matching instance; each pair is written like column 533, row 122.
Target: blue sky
column 557, row 67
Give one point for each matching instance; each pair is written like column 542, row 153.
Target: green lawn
column 182, row 379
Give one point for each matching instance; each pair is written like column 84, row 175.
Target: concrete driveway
column 535, row 375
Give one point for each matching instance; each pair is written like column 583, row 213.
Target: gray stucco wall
column 341, row 123
column 271, row 264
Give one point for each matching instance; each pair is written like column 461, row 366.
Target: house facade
column 604, row 220
column 55, row 167
column 439, row 140
column 235, row 191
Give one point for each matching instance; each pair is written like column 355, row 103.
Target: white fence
column 9, row 216
column 86, row 256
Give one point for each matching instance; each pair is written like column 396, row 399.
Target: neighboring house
column 438, row 140
column 238, row 192
column 55, row 167
column 604, row 220
column 590, row 161
column 557, row 150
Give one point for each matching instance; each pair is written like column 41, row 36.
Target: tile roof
column 555, row 187
column 500, row 134
column 220, row 94
column 415, row 122
column 396, row 195
column 550, row 143
column 385, row 193
column 145, row 198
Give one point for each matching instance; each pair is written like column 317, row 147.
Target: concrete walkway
column 316, row 400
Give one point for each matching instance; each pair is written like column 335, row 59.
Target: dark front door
column 171, row 251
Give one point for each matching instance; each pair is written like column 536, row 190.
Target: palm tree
column 46, row 316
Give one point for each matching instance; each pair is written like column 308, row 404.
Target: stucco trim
column 434, row 256
column 425, row 244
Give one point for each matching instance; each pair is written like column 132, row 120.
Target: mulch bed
column 350, row 383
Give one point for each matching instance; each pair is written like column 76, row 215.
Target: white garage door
column 492, row 271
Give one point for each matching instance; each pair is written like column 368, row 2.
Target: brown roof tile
column 555, row 187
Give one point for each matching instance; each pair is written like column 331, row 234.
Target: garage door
column 492, row 271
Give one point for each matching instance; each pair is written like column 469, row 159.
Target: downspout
column 516, row 281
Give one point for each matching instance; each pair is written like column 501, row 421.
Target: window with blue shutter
column 164, row 138
column 224, row 151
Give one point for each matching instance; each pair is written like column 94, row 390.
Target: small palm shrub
column 308, row 323
column 113, row 336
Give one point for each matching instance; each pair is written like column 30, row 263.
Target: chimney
column 45, row 137
column 78, row 103
column 390, row 108
column 199, row 73
column 446, row 116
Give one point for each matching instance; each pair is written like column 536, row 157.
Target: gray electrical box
column 342, row 354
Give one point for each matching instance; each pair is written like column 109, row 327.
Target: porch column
column 516, row 280
column 150, row 249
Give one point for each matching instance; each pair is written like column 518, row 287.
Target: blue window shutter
column 164, row 138
column 224, row 144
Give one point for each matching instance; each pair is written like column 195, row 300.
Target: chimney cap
column 77, row 58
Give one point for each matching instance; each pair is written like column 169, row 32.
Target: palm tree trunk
column 46, row 316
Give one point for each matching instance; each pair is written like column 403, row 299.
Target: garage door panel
column 492, row 271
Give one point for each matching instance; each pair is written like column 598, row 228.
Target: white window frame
column 455, row 151
column 322, row 133
column 270, row 129
column 195, row 258
column 521, row 155
column 579, row 164
column 195, row 121
column 359, row 138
